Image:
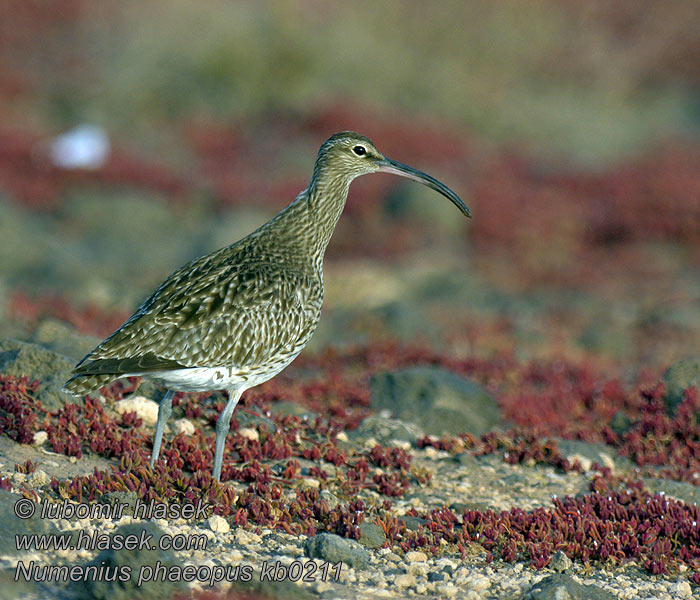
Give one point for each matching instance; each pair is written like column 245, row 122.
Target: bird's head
column 347, row 155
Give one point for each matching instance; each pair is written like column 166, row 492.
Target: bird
column 235, row 318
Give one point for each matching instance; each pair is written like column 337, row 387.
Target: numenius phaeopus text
column 236, row 317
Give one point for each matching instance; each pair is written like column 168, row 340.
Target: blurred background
column 135, row 136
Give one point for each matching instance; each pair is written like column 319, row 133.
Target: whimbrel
column 235, row 318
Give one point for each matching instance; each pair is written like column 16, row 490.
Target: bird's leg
column 222, row 425
column 164, row 409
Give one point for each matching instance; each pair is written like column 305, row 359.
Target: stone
column 40, row 438
column 249, row 433
column 560, row 562
column 479, row 583
column 184, row 426
column 404, row 580
column 681, row 589
column 371, row 535
column 466, row 459
column 334, row 548
column 218, row 524
column 12, row 525
column 51, row 369
column 39, row 478
column 416, row 556
column 138, row 561
column 412, row 523
column 588, row 453
column 564, row 587
column 128, row 498
column 439, row 400
column 678, row 377
column 247, row 420
column 145, row 409
column 383, row 431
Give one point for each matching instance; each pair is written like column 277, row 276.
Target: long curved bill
column 388, row 165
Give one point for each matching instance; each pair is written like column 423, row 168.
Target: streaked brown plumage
column 238, row 316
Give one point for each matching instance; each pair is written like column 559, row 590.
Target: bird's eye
column 360, row 150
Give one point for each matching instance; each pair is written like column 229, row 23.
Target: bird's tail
column 79, row 385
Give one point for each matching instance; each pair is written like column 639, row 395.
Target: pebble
column 430, row 452
column 246, row 538
column 331, row 547
column 249, row 433
column 447, row 590
column 416, row 557
column 371, row 535
column 234, row 556
column 560, row 562
column 480, row 583
column 681, row 589
column 183, row 426
column 145, row 409
column 404, row 581
column 218, row 524
column 39, row 478
column 586, row 463
column 40, row 438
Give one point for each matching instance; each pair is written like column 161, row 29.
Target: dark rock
column 371, row 535
column 436, row 576
column 678, row 377
column 253, row 421
column 136, row 561
column 620, row 423
column 564, row 587
column 49, row 368
column 466, row 459
column 113, row 498
column 334, row 548
column 595, row 452
column 560, row 562
column 438, row 400
column 385, row 431
column 12, row 525
column 412, row 523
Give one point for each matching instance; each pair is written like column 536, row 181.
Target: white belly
column 206, row 379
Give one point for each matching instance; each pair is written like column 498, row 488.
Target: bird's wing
column 222, row 315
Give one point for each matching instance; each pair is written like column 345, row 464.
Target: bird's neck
column 305, row 227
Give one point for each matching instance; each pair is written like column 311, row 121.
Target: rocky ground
column 392, row 545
